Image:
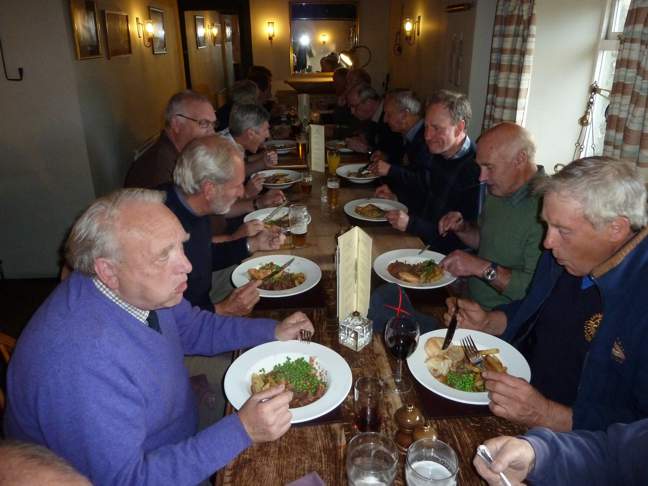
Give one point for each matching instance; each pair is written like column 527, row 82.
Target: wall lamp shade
column 323, row 37
column 411, row 29
column 213, row 31
column 358, row 56
column 345, row 59
column 145, row 31
column 270, row 29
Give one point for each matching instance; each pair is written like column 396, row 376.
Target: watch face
column 490, row 274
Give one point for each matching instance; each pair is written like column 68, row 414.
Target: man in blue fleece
column 585, row 458
column 583, row 325
column 97, row 375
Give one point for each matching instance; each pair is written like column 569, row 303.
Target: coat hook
column 4, row 66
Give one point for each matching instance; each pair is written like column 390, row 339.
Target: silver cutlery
column 472, row 353
column 423, row 250
column 274, row 212
column 484, row 453
column 278, row 270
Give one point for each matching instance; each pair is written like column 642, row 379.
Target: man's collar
column 378, row 113
column 184, row 202
column 136, row 312
column 463, row 150
column 411, row 133
column 523, row 191
column 620, row 255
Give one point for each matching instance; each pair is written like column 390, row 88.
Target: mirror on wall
column 319, row 33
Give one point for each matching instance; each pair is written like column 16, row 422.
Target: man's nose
column 184, row 265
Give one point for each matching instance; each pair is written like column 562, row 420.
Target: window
column 604, row 75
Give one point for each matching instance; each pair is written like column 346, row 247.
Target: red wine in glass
column 368, row 419
column 401, row 337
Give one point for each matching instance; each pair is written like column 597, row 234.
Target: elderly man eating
column 583, row 325
column 97, row 374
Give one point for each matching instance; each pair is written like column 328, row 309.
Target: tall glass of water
column 372, row 459
column 431, row 462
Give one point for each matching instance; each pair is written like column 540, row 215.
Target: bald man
column 508, row 234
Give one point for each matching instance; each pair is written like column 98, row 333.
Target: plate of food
column 279, row 178
column 281, row 146
column 318, row 376
column 280, row 218
column 448, row 373
column 410, row 269
column 352, row 172
column 338, row 145
column 301, row 275
column 372, row 209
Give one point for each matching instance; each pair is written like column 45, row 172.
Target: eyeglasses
column 201, row 123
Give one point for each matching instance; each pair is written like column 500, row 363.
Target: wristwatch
column 490, row 272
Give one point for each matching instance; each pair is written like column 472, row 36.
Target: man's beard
column 220, row 206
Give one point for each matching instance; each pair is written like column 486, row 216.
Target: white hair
column 179, row 101
column 405, row 99
column 247, row 116
column 208, row 158
column 93, row 235
column 605, row 187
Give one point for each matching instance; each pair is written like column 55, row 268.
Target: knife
column 450, row 332
column 278, row 270
column 274, row 211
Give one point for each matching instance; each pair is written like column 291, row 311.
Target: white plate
column 410, row 256
column 281, row 146
column 511, row 358
column 313, row 273
column 294, row 177
column 337, row 372
column 339, row 145
column 384, row 204
column 344, row 170
column 260, row 214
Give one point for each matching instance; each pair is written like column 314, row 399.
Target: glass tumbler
column 431, row 462
column 371, row 459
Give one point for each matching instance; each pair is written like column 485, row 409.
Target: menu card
column 316, row 148
column 353, row 269
column 303, row 106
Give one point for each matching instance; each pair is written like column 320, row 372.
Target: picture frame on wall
column 159, row 31
column 118, row 42
column 85, row 26
column 201, row 40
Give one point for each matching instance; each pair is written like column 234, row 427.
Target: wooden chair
column 7, row 345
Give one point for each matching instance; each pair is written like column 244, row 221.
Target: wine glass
column 401, row 337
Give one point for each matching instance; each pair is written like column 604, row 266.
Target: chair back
column 7, row 345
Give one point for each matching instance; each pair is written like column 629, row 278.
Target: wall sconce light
column 323, row 38
column 271, row 31
column 345, row 59
column 412, row 29
column 213, row 31
column 145, row 30
column 228, row 33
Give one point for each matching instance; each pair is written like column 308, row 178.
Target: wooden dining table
column 319, row 445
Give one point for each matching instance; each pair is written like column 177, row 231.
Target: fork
column 472, row 353
column 305, row 335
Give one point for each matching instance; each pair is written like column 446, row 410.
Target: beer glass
column 332, row 192
column 306, row 183
column 302, row 147
column 298, row 219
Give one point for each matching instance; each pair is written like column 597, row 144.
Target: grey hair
column 244, row 92
column 93, row 234
column 177, row 103
column 21, row 462
column 366, row 92
column 456, row 103
column 247, row 116
column 208, row 158
column 405, row 99
column 605, row 187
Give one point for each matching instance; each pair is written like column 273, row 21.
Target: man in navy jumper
column 583, row 324
column 450, row 181
column 97, row 374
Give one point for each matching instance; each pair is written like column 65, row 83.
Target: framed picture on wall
column 200, row 31
column 86, row 28
column 159, row 32
column 118, row 41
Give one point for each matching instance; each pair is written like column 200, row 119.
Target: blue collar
column 183, row 201
column 411, row 133
column 465, row 147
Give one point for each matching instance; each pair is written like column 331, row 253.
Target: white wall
column 68, row 131
column 563, row 68
column 44, row 172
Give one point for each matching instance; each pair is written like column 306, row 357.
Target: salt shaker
column 355, row 331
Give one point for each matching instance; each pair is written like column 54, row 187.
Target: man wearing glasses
column 188, row 116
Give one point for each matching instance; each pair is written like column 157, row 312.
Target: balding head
column 25, row 464
column 505, row 154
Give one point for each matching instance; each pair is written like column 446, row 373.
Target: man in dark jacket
column 450, row 181
column 583, row 326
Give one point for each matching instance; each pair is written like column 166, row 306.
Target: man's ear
column 106, row 271
column 460, row 127
column 619, row 229
column 521, row 158
column 208, row 189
